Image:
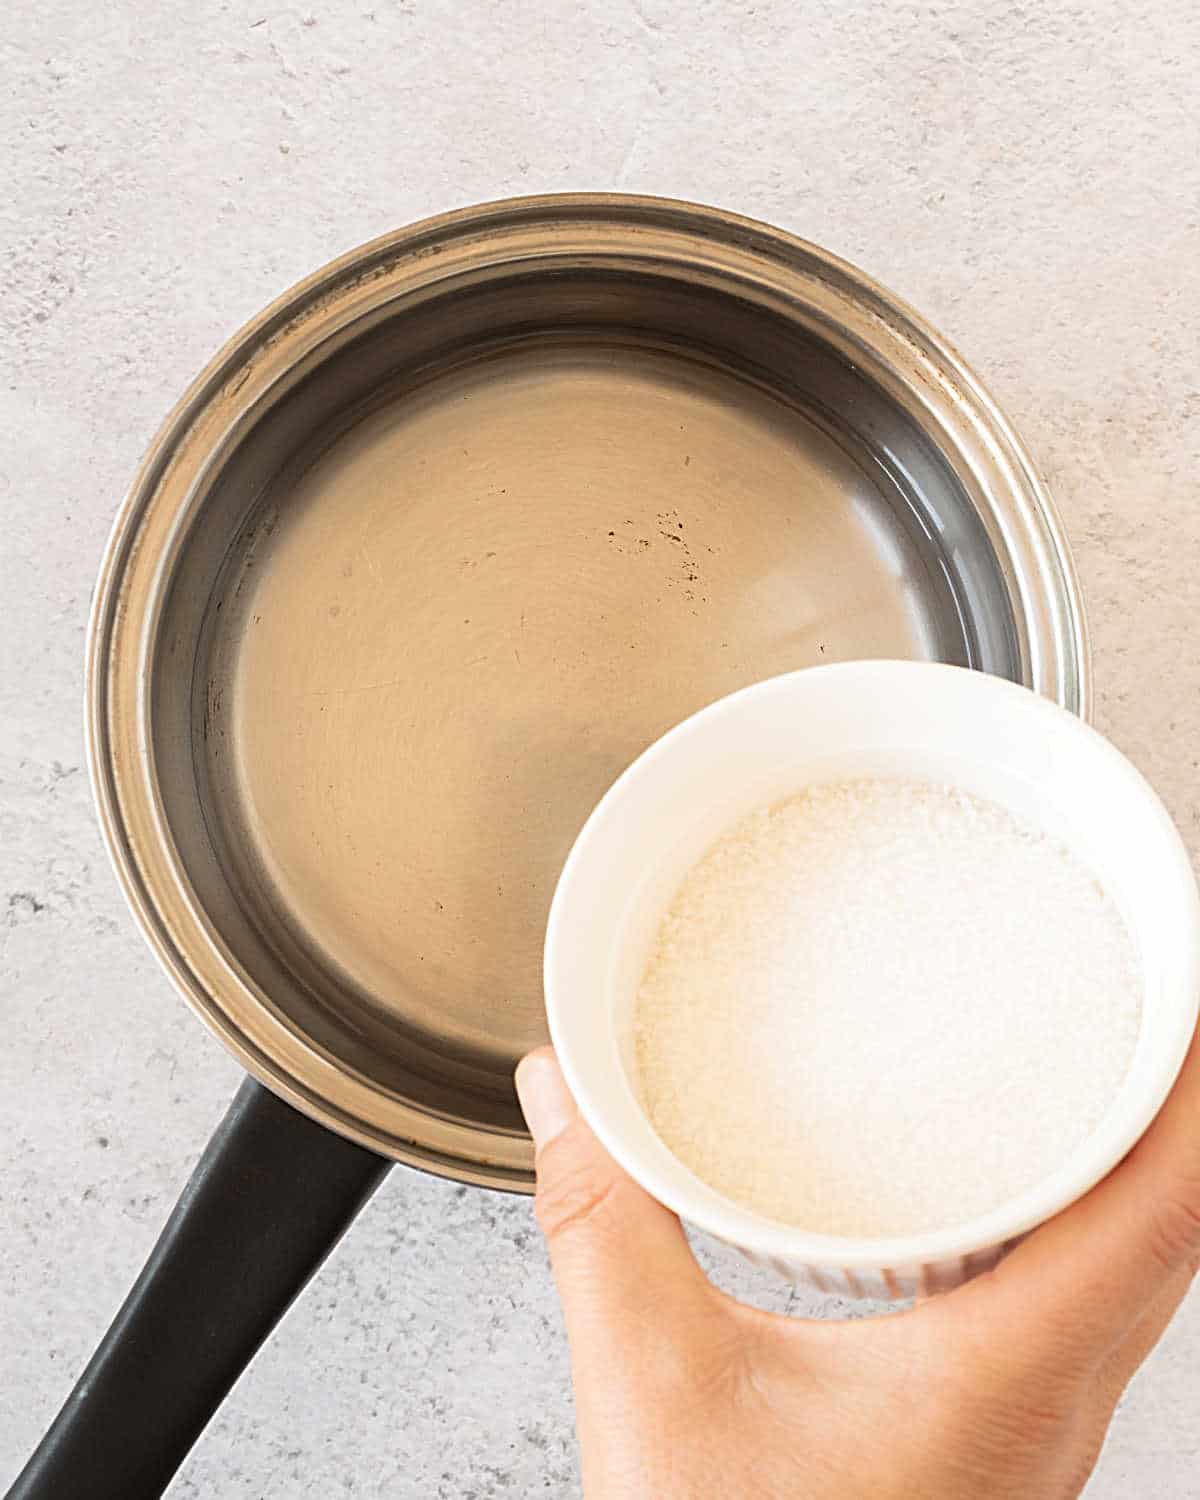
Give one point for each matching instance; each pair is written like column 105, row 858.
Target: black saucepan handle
column 268, row 1200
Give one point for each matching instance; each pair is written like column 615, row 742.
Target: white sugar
column 882, row 1007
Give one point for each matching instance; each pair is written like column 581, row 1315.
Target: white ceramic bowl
column 918, row 719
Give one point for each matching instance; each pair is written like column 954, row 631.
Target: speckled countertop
column 1027, row 175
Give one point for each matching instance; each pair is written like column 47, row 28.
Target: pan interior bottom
column 442, row 641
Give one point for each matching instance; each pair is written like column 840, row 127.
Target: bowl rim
column 1002, row 1226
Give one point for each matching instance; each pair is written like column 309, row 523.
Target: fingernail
column 545, row 1099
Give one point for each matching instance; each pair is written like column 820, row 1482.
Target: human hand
column 1002, row 1388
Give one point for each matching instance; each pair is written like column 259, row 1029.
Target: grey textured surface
column 1026, row 175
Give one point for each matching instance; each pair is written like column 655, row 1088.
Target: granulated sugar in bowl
column 863, row 979
column 871, row 968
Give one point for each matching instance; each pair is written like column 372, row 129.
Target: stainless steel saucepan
column 424, row 558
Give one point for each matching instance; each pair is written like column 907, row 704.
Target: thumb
column 621, row 1262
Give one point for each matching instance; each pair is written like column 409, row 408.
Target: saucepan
column 421, row 562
